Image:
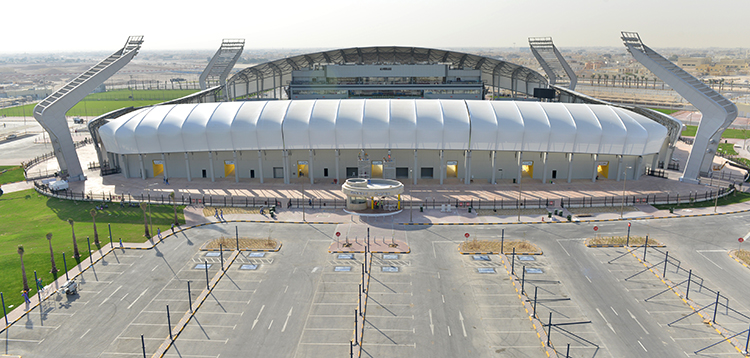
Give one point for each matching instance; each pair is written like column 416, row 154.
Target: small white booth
column 364, row 194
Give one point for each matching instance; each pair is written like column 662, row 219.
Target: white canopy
column 386, row 124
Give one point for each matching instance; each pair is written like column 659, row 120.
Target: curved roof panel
column 384, row 124
column 503, row 74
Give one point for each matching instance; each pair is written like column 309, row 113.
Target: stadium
column 403, row 113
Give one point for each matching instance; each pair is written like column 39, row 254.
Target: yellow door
column 158, row 166
column 602, row 170
column 377, row 169
column 527, row 169
column 228, row 168
column 302, row 168
column 451, row 169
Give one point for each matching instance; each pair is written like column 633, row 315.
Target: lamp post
column 303, row 201
column 625, row 179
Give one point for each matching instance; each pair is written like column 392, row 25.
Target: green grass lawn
column 96, row 104
column 13, row 173
column 665, row 111
column 729, row 133
column 727, row 149
column 28, row 216
column 736, row 197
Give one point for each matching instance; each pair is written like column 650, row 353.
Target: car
column 11, row 136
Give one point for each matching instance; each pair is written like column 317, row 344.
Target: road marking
column 644, row 348
column 443, row 296
column 270, row 324
column 588, row 279
column 432, row 326
column 108, row 297
column 256, row 318
column 152, row 270
column 85, row 333
column 563, row 247
column 314, row 269
column 137, row 298
column 449, row 331
column 438, row 275
column 636, row 321
column 709, row 260
column 605, row 320
column 613, row 310
column 461, row 318
column 123, row 297
column 287, row 319
column 286, row 288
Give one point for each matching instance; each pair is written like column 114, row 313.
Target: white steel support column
column 310, row 168
column 494, row 167
column 338, row 181
column 637, row 172
column 596, row 172
column 655, row 162
column 211, row 165
column 570, row 167
column 519, row 163
column 236, row 169
column 260, row 165
column 143, row 169
column 619, row 167
column 124, row 165
column 187, row 166
column 164, row 160
column 467, row 180
column 442, row 167
column 544, row 161
column 416, row 163
column 285, row 165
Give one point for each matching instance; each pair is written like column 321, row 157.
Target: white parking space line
column 108, row 297
column 709, row 260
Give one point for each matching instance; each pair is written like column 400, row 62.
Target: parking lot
column 433, row 301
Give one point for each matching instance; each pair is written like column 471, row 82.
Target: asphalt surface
column 300, row 301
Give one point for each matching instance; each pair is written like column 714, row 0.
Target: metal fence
column 318, row 203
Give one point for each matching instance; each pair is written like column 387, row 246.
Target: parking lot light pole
column 65, row 264
column 190, row 298
column 143, row 345
column 205, row 264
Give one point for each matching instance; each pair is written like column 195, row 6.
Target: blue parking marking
column 533, row 270
column 256, row 254
column 342, row 269
column 526, row 258
column 213, row 254
column 485, row 270
column 481, row 257
column 390, row 256
column 248, row 267
column 202, row 266
column 346, row 257
column 390, row 268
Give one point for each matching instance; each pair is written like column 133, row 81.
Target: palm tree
column 76, row 255
column 606, row 80
column 51, row 254
column 174, row 206
column 93, row 213
column 23, row 269
column 145, row 219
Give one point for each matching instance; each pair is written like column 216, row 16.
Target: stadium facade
column 396, row 113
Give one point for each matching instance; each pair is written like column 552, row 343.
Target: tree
column 174, row 206
column 606, row 80
column 51, row 254
column 76, row 255
column 93, row 213
column 23, row 269
column 145, row 219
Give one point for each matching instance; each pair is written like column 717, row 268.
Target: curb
column 621, row 245
column 737, row 259
column 501, row 253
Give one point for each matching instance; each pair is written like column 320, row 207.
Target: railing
column 43, row 157
column 109, row 171
column 656, row 173
column 317, row 203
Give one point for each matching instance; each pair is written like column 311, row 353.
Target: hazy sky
column 53, row 26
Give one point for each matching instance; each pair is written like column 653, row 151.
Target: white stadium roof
column 384, row 124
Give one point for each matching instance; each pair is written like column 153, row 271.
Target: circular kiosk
column 370, row 196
